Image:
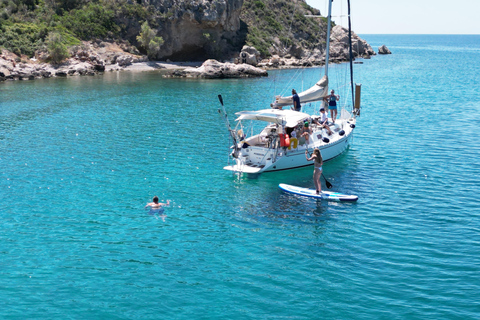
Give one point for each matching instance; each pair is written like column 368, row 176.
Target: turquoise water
column 80, row 157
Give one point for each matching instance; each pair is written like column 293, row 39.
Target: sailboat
column 281, row 144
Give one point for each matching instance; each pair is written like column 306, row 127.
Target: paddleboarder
column 317, row 168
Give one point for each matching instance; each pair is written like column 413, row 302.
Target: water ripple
column 78, row 243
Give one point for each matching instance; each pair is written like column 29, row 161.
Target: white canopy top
column 287, row 118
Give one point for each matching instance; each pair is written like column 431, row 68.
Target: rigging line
column 293, row 16
column 301, row 71
column 290, row 28
column 296, row 75
column 344, row 87
column 292, row 79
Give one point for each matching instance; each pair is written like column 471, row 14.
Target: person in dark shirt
column 296, row 101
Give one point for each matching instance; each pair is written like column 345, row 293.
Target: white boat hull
column 255, row 159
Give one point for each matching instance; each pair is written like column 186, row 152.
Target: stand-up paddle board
column 326, row 195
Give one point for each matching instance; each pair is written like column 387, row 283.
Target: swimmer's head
column 155, row 199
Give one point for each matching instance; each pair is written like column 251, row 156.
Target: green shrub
column 56, row 48
column 149, row 41
column 287, row 42
column 259, row 5
column 258, row 40
column 21, row 38
column 273, row 24
column 135, row 11
column 90, row 22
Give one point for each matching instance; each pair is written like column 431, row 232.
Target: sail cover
column 315, row 93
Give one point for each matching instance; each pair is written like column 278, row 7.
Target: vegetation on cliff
column 281, row 26
column 25, row 25
column 272, row 26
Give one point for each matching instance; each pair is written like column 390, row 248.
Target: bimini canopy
column 315, row 93
column 287, row 118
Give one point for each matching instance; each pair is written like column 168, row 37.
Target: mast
column 351, row 52
column 329, row 23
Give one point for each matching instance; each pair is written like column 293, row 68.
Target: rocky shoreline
column 92, row 58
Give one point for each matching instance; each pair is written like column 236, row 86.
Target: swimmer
column 155, row 204
column 157, row 207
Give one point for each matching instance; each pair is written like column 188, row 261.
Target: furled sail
column 315, row 93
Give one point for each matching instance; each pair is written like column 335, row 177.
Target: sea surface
column 81, row 156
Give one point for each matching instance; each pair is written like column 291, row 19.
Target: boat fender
column 283, row 139
column 326, row 140
column 342, row 132
column 352, row 125
column 293, row 141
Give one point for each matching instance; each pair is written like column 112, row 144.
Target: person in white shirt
column 323, row 121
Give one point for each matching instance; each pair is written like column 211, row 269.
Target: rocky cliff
column 278, row 33
column 203, row 29
column 198, row 29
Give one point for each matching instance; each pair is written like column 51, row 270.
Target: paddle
column 227, row 123
column 225, row 117
column 327, row 183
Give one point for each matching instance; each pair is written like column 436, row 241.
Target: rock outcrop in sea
column 339, row 48
column 213, row 69
column 384, row 50
column 339, row 52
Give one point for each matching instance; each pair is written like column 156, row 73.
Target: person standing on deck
column 296, row 101
column 332, row 104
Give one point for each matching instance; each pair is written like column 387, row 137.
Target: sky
column 406, row 16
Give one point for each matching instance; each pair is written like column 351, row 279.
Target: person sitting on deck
column 323, row 121
column 306, row 131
